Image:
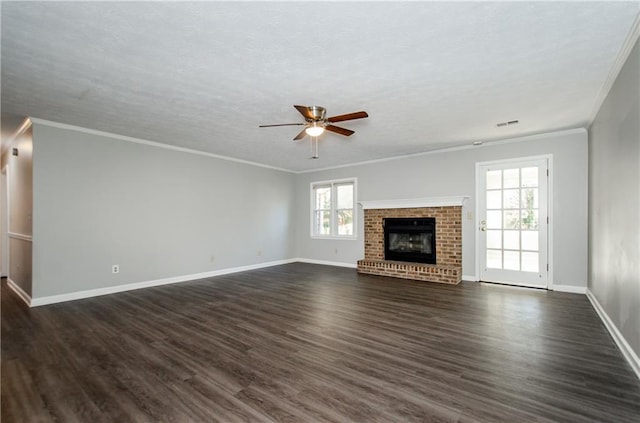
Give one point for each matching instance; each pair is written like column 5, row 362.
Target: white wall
column 453, row 173
column 156, row 212
column 614, row 203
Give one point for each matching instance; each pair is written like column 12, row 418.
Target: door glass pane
column 530, row 240
column 512, row 260
column 345, row 222
column 494, row 239
column 512, row 240
column 494, row 199
column 530, row 198
column 530, row 176
column 323, row 198
column 511, row 198
column 345, row 196
column 494, row 219
column 529, row 219
column 494, row 259
column 530, row 262
column 494, row 179
column 511, row 178
column 512, row 219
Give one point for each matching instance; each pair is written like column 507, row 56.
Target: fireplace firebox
column 410, row 239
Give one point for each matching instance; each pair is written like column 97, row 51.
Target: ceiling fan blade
column 338, row 130
column 301, row 135
column 348, row 116
column 280, row 124
column 304, row 111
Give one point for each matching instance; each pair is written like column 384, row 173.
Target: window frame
column 333, row 184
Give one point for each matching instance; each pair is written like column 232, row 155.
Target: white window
column 333, row 211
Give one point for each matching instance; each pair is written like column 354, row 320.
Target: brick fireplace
column 447, row 212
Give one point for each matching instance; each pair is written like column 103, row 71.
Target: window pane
column 529, row 176
column 322, row 223
column 494, row 219
column 345, row 222
column 512, row 219
column 494, row 199
column 494, row 179
column 529, row 219
column 530, row 241
column 345, row 196
column 530, row 262
column 512, row 240
column 494, row 259
column 511, row 199
column 511, row 178
column 512, row 260
column 494, row 239
column 530, row 198
column 323, row 197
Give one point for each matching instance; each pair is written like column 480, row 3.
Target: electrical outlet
column 212, row 258
column 259, row 252
column 115, row 268
column 335, row 251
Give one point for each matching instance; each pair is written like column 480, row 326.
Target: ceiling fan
column 316, row 122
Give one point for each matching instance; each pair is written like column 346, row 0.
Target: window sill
column 335, row 238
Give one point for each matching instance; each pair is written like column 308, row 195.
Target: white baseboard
column 40, row 301
column 468, row 278
column 327, row 263
column 569, row 288
column 15, row 288
column 622, row 343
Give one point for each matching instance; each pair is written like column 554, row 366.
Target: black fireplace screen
column 410, row 239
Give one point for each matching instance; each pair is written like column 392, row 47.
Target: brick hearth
column 448, row 268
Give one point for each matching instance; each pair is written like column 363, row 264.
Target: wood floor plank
column 311, row 343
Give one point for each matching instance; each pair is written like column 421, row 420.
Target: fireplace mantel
column 458, row 200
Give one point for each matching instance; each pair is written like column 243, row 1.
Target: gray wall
column 156, row 212
column 614, row 203
column 453, row 173
column 20, row 184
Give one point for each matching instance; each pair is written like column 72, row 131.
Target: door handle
column 483, row 226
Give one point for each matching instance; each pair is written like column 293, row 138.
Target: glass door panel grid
column 512, row 219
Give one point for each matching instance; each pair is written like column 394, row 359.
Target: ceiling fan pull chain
column 314, row 147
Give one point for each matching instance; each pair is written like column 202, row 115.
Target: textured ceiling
column 205, row 75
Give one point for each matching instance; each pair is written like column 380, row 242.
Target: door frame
column 549, row 158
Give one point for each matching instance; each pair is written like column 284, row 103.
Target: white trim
column 459, row 148
column 621, row 59
column 622, row 343
column 549, row 159
column 334, row 227
column 469, row 278
column 20, row 236
column 19, row 291
column 148, row 284
column 458, row 200
column 327, row 263
column 569, row 288
column 151, row 143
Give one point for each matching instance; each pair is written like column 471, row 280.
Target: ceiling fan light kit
column 316, row 123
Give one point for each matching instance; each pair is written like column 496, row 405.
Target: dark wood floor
column 310, row 343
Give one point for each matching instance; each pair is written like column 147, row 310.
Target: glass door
column 513, row 222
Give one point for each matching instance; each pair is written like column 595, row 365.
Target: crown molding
column 485, row 144
column 59, row 125
column 621, row 59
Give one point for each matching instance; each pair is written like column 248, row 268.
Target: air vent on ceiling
column 511, row 122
